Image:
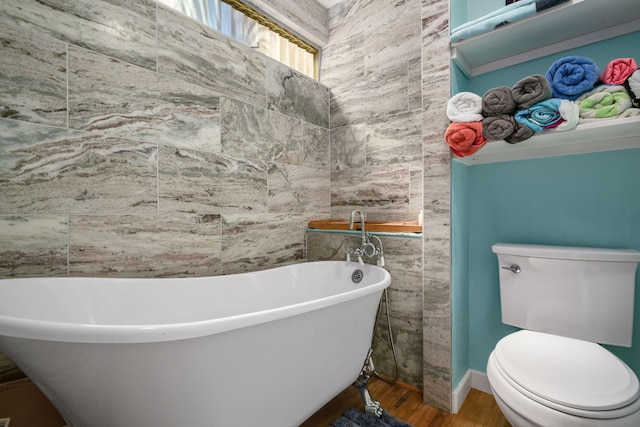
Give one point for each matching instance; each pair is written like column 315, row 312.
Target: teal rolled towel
column 541, row 115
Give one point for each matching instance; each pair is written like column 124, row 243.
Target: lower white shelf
column 605, row 135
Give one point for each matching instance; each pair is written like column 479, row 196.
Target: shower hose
column 390, row 380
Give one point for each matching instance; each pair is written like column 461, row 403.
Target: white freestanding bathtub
column 258, row 349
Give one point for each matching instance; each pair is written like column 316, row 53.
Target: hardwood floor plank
column 479, row 409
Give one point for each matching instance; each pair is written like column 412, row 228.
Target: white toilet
column 552, row 373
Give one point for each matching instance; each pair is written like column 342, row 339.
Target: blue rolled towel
column 541, row 115
column 572, row 76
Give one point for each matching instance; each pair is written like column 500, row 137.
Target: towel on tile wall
column 530, row 90
column 465, row 138
column 632, row 84
column 465, row 107
column 618, row 70
column 572, row 76
column 498, row 100
column 604, row 102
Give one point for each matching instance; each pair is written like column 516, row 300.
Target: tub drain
column 357, row 276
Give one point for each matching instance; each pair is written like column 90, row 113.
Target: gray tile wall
column 387, row 64
column 138, row 142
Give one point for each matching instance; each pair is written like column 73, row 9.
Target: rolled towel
column 570, row 113
column 465, row 107
column 572, row 76
column 618, row 71
column 632, row 84
column 541, row 116
column 498, row 100
column 604, row 102
column 630, row 112
column 498, row 127
column 465, row 138
column 531, row 90
column 520, row 133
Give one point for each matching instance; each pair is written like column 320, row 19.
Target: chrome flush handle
column 515, row 268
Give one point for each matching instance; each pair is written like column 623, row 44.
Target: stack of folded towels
column 572, row 91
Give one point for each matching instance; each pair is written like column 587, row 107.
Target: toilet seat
column 573, row 376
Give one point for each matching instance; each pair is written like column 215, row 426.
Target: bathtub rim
column 46, row 330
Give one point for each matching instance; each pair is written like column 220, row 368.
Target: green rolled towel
column 604, row 102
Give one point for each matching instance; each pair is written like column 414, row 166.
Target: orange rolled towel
column 465, row 139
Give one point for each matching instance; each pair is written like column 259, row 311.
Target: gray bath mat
column 355, row 418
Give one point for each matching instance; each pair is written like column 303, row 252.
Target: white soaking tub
column 258, row 349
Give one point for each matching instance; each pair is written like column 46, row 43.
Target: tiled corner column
column 437, row 209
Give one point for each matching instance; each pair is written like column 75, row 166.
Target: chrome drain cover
column 357, row 276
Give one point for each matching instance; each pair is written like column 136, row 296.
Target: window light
column 244, row 24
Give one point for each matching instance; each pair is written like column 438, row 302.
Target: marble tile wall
column 387, row 64
column 138, row 142
column 437, row 208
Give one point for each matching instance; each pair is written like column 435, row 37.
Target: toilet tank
column 583, row 293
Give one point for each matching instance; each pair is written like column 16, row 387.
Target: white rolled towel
column 570, row 113
column 465, row 107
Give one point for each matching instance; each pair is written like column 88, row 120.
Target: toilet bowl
column 540, row 379
column 567, row 301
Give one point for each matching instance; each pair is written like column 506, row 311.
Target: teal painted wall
column 590, row 199
column 581, row 200
column 460, row 183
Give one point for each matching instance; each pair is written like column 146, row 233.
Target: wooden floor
column 479, row 409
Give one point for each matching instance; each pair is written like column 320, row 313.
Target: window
column 242, row 23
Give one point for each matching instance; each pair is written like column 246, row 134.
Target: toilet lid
column 569, row 372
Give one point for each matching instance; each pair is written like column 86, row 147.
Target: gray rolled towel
column 531, row 90
column 498, row 100
column 521, row 133
column 495, row 128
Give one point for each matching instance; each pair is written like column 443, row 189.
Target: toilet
column 553, row 372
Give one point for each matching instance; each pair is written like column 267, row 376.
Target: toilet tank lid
column 567, row 252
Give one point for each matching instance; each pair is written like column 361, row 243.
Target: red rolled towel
column 465, row 138
column 618, row 71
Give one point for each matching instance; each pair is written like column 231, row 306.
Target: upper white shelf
column 566, row 26
column 605, row 135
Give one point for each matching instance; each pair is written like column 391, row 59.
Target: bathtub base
column 362, row 385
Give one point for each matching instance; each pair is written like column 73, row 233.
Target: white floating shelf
column 605, row 135
column 546, row 33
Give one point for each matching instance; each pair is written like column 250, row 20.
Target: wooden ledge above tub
column 373, row 226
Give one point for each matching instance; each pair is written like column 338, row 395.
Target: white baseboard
column 472, row 379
